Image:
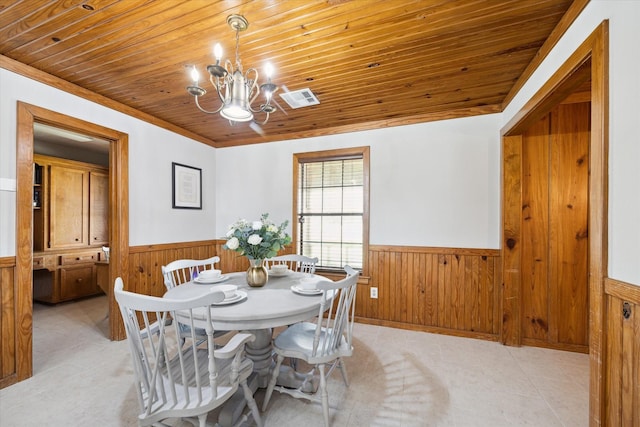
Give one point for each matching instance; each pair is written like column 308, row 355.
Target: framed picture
column 187, row 187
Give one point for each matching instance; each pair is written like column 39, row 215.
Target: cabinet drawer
column 42, row 262
column 38, row 262
column 76, row 282
column 82, row 258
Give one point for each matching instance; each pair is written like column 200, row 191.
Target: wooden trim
column 378, row 124
column 598, row 215
column 590, row 60
column 179, row 245
column 570, row 76
column 511, row 195
column 430, row 329
column 58, row 83
column 7, row 262
column 576, row 348
column 565, row 23
column 118, row 215
column 436, row 250
column 623, row 290
column 24, row 243
column 53, row 81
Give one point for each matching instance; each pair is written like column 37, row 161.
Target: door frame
column 118, row 219
column 589, row 61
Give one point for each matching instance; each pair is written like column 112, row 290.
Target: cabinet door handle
column 78, row 259
column 79, row 280
column 77, row 239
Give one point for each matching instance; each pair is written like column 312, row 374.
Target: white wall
column 151, row 151
column 624, row 118
column 432, row 184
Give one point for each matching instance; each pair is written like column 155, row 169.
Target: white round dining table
column 264, row 308
column 270, row 306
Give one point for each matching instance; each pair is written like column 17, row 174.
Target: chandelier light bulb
column 217, row 52
column 268, row 69
column 195, row 76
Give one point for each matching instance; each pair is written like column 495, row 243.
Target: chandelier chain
column 238, row 63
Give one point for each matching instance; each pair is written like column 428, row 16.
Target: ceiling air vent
column 300, row 98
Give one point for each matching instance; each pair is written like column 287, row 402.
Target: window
column 331, row 206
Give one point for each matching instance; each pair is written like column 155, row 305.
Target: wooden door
column 98, row 208
column 555, row 296
column 69, row 191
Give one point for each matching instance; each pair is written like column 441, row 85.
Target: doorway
column 28, row 115
column 588, row 63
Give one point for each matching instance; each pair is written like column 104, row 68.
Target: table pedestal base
column 260, row 351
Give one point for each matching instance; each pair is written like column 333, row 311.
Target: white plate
column 211, row 280
column 240, row 295
column 301, row 291
column 279, row 273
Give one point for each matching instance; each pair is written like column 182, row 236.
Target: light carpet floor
column 398, row 378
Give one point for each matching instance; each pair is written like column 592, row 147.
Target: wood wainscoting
column 444, row 290
column 145, row 262
column 621, row 365
column 8, row 322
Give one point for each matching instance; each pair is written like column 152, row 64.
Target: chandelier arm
column 266, row 118
column 218, row 87
column 228, row 65
column 254, row 90
column 207, row 111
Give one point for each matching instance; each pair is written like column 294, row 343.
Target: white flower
column 233, row 243
column 230, row 232
column 256, row 225
column 254, row 239
column 272, row 228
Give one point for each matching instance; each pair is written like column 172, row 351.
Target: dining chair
column 323, row 343
column 176, row 381
column 184, row 270
column 299, row 263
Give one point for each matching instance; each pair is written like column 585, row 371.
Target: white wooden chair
column 323, row 343
column 175, row 381
column 294, row 262
column 183, row 270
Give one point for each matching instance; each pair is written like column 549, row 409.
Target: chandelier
column 236, row 91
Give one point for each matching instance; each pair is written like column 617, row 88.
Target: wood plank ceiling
column 370, row 63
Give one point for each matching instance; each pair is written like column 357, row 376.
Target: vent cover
column 300, row 98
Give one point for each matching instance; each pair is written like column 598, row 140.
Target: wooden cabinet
column 70, row 227
column 69, row 207
column 98, row 208
column 66, row 275
column 74, row 205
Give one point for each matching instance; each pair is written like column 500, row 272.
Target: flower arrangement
column 257, row 239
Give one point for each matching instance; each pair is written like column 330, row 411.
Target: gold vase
column 257, row 274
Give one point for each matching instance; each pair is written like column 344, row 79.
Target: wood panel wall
column 433, row 289
column 8, row 327
column 145, row 262
column 622, row 355
column 555, row 184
